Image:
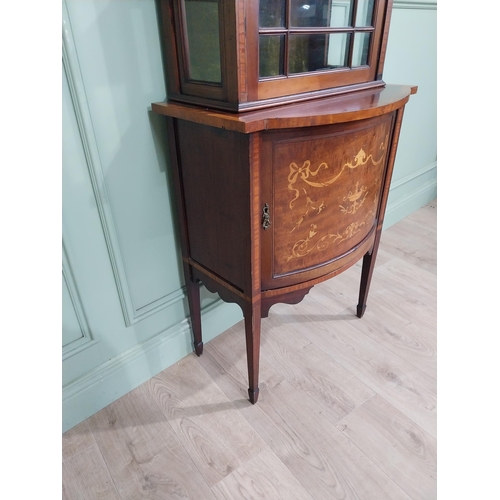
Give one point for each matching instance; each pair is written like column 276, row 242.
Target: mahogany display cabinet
column 292, row 191
column 247, row 54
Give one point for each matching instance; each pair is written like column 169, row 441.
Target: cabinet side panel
column 214, row 166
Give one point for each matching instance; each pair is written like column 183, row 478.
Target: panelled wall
column 411, row 59
column 124, row 306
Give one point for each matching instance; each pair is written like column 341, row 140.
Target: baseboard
column 115, row 378
column 409, row 203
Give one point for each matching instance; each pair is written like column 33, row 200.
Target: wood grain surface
column 85, row 476
column 403, row 450
column 77, row 439
column 338, row 109
column 204, row 420
column 142, row 451
column 264, row 477
column 314, row 450
column 347, row 406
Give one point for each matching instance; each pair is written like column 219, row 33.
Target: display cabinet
column 239, row 55
column 276, row 199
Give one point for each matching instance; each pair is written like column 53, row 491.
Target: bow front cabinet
column 282, row 139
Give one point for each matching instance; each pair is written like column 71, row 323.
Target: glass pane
column 364, row 14
column 321, row 13
column 317, row 52
column 202, row 22
column 272, row 13
column 271, row 55
column 361, row 49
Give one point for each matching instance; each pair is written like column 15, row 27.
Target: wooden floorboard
column 77, row 439
column 142, row 452
column 406, row 387
column 325, row 462
column 347, row 407
column 403, row 450
column 205, row 421
column 85, row 476
column 264, row 477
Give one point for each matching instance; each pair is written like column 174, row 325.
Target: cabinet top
column 326, row 111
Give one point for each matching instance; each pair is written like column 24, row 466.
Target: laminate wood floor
column 347, row 406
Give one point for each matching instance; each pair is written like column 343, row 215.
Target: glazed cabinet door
column 323, row 186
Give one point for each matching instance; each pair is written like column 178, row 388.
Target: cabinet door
column 323, row 185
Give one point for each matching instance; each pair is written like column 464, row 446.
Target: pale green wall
column 124, row 303
column 411, row 59
column 124, row 306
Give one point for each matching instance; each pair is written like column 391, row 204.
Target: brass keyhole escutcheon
column 266, row 217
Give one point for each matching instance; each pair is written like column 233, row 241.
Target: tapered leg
column 366, row 277
column 252, row 315
column 370, row 258
column 193, row 295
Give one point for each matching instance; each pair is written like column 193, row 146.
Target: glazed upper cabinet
column 239, row 55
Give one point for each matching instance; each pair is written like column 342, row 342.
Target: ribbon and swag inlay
column 352, row 201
